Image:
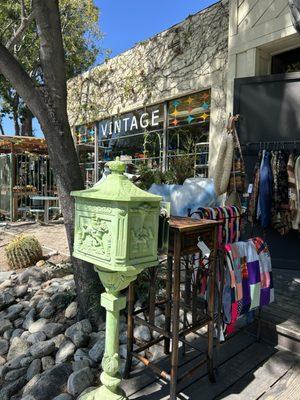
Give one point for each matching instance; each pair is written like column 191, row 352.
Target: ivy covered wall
column 188, row 57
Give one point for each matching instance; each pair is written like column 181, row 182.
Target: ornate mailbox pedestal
column 116, row 229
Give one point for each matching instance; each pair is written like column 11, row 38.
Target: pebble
column 4, row 346
column 17, row 333
column 71, row 310
column 38, row 325
column 65, row 352
column 6, row 299
column 47, row 311
column 47, row 362
column 142, row 332
column 29, row 319
column 53, row 329
column 34, row 369
column 42, row 349
column 79, row 332
column 5, row 324
column 96, row 352
column 50, row 383
column 20, row 290
column 80, row 380
column 15, row 374
column 36, row 337
column 18, row 347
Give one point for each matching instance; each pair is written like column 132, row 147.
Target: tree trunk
column 16, row 123
column 49, row 106
column 26, row 122
column 15, row 105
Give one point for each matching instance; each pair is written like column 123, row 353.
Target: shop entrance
column 269, row 109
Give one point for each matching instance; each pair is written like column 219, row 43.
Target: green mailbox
column 116, row 229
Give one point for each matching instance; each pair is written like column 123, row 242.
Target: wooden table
column 185, row 234
column 47, row 200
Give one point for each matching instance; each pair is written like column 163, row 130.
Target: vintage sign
column 130, row 123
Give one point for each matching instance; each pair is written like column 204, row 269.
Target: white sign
column 129, row 124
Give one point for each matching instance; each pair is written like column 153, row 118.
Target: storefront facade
column 165, row 98
column 264, row 88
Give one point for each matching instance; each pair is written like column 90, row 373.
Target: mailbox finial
column 116, row 166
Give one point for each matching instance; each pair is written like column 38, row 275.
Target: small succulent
column 23, row 251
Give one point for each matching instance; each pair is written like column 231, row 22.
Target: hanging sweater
column 248, row 279
column 296, row 220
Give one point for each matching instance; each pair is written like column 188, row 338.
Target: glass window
column 85, row 134
column 192, row 109
column 135, row 136
column 188, row 119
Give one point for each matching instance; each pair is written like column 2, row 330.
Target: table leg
column 211, row 307
column 46, row 212
column 175, row 322
column 168, row 304
column 130, row 327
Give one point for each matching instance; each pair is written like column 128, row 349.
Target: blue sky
column 126, row 22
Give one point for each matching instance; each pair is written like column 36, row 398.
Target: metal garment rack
column 272, row 145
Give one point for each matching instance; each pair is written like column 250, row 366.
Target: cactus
column 23, row 251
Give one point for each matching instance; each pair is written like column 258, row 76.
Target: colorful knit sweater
column 248, row 279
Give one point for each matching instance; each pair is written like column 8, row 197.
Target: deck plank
column 264, row 377
column 233, row 370
column 287, row 388
column 141, row 387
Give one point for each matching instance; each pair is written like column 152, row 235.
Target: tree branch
column 25, row 22
column 22, row 83
column 52, row 55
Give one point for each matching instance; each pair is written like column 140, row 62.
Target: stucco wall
column 257, row 30
column 188, row 57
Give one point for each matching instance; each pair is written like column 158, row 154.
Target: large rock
column 81, row 354
column 34, row 369
column 13, row 311
column 47, row 362
column 29, row 319
column 5, row 324
column 47, row 311
column 50, row 383
column 65, row 352
column 38, row 325
column 34, row 273
column 20, row 290
column 79, row 332
column 6, row 299
column 63, row 396
column 15, row 374
column 42, row 349
column 17, row 333
column 71, row 310
column 58, row 340
column 3, row 347
column 9, row 390
column 61, row 299
column 53, row 329
column 79, row 381
column 26, row 361
column 96, row 352
column 142, row 333
column 36, row 337
column 18, row 347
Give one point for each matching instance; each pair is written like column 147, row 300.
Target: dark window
column 288, row 61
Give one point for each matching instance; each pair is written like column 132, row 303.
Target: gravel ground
column 51, row 237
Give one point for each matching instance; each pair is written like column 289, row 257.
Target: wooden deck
column 248, row 370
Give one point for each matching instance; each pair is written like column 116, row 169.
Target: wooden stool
column 185, row 234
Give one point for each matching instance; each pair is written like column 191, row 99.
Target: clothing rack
column 264, row 145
